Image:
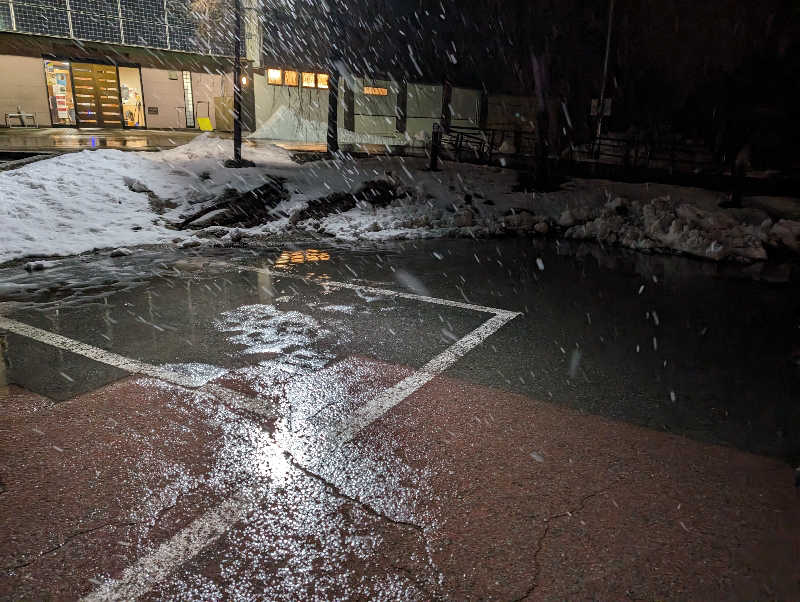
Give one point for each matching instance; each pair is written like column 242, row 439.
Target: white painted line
column 93, row 353
column 424, row 299
column 130, row 365
column 373, row 410
column 152, row 569
column 376, row 408
column 371, row 289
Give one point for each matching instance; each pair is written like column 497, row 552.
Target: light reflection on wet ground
column 82, row 139
column 205, row 322
column 287, row 258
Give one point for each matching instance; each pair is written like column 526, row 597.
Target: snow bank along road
column 233, row 431
column 105, row 199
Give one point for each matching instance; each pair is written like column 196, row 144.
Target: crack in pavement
column 540, row 544
column 159, row 515
column 66, row 541
column 368, row 509
column 337, row 491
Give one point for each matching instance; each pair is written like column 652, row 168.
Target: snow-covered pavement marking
column 148, row 571
column 125, row 363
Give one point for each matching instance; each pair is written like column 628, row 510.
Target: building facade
column 166, row 63
column 116, row 63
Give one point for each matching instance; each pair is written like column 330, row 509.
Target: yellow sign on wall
column 373, row 91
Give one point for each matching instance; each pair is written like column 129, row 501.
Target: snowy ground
column 108, row 199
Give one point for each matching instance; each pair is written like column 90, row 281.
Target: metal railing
column 669, row 154
column 666, row 153
column 475, row 144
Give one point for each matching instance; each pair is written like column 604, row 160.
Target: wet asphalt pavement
column 604, row 344
column 650, row 340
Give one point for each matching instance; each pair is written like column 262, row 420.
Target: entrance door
column 130, row 87
column 97, row 99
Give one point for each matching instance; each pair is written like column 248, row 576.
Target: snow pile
column 208, row 147
column 288, row 124
column 478, row 201
column 661, row 224
column 114, row 199
column 110, row 198
column 76, row 202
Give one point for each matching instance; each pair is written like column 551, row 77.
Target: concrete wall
column 24, row 85
column 208, row 86
column 375, row 114
column 254, row 31
column 260, row 95
column 165, row 94
column 291, row 113
column 465, row 107
column 424, row 108
column 512, row 112
column 280, row 107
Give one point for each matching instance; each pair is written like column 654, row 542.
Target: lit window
column 274, row 76
column 322, row 80
column 291, row 78
column 308, row 80
column 372, row 91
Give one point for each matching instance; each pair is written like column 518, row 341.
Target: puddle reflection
column 85, row 140
column 287, row 258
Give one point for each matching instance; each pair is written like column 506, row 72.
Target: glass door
column 130, row 89
column 96, row 95
column 59, row 92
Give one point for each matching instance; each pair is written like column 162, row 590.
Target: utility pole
column 333, row 110
column 601, row 106
column 334, row 77
column 237, row 84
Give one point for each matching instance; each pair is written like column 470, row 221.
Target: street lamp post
column 333, row 110
column 237, row 84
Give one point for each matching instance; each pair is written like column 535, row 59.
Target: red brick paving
column 537, row 500
column 516, row 498
column 17, row 402
column 92, row 482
